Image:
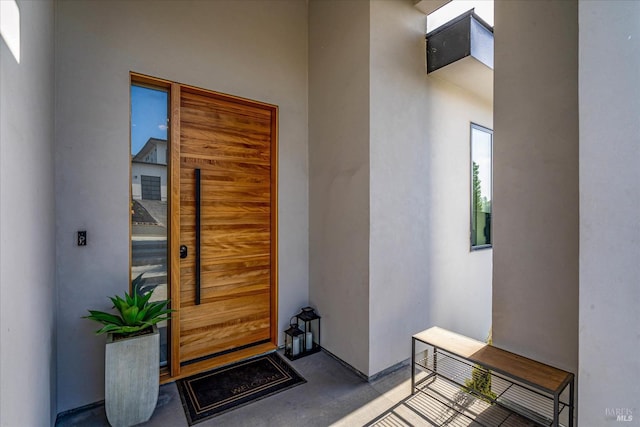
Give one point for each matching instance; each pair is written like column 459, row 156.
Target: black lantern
column 311, row 329
column 293, row 340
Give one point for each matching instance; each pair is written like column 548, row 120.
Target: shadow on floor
column 333, row 396
column 441, row 403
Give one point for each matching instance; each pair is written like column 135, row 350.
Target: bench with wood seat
column 524, row 386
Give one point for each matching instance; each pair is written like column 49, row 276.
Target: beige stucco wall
column 339, row 175
column 535, row 255
column 389, row 187
column 422, row 272
column 27, row 223
column 253, row 49
column 609, row 203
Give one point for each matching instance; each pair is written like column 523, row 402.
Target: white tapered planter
column 132, row 378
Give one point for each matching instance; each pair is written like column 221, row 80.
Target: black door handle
column 183, row 251
column 198, row 199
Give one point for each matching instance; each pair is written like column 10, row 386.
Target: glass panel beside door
column 149, row 148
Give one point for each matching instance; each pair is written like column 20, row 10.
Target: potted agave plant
column 132, row 354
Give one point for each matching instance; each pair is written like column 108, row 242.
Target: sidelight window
column 149, row 118
column 481, row 186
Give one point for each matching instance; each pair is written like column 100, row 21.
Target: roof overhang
column 429, row 6
column 461, row 51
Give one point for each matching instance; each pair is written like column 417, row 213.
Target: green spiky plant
column 480, row 381
column 135, row 312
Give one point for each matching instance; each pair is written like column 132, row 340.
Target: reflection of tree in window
column 477, row 193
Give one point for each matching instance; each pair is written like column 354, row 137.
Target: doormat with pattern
column 211, row 393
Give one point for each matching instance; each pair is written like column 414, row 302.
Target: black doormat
column 211, row 393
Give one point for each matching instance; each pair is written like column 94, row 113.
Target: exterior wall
column 535, row 301
column 536, row 223
column 609, row 201
column 339, row 175
column 422, row 270
column 254, row 49
column 27, row 223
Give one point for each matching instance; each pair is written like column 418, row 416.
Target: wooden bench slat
column 544, row 376
column 450, row 341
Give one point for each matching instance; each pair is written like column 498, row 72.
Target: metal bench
column 532, row 389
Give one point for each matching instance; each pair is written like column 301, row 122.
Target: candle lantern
column 293, row 340
column 310, row 325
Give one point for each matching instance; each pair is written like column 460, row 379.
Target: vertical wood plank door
column 231, row 143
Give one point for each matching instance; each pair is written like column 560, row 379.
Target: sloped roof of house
column 147, row 147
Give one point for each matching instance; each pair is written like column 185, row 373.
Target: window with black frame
column 481, row 186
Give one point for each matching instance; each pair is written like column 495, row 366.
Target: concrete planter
column 132, row 372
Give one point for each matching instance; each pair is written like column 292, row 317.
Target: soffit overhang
column 461, row 51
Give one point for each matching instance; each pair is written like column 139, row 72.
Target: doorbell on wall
column 82, row 238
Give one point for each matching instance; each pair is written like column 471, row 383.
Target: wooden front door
column 224, row 191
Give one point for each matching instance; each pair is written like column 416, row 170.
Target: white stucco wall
column 27, row 223
column 422, row 270
column 254, row 49
column 536, row 223
column 609, row 202
column 339, row 175
column 389, row 258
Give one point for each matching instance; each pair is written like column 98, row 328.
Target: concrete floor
column 332, row 396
